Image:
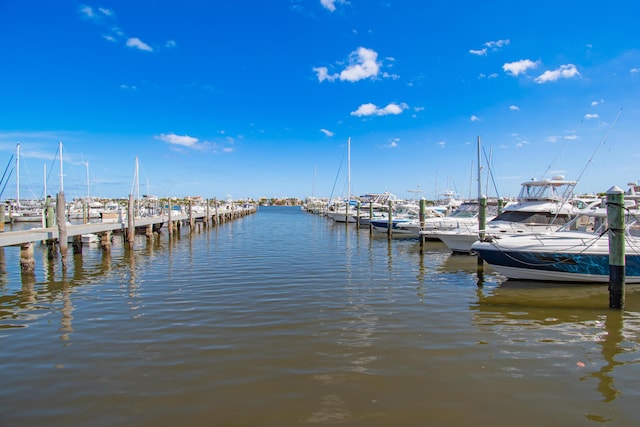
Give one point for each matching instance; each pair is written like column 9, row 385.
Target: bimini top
column 555, row 189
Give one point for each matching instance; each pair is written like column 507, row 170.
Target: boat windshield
column 534, row 218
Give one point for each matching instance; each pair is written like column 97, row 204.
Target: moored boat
column 577, row 252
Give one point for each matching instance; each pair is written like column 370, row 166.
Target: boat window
column 542, row 218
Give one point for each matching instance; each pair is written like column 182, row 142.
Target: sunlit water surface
column 284, row 318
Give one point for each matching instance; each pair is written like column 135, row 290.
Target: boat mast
column 18, row 175
column 479, row 172
column 348, row 170
column 88, row 183
column 61, row 174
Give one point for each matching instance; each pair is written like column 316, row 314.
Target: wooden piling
column 370, row 217
column 423, row 214
column 615, row 219
column 1, row 216
column 390, row 221
column 482, row 223
column 358, row 214
column 169, row 221
column 27, row 261
column 62, row 227
column 131, row 229
column 192, row 221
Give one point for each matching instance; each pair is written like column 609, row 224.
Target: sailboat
column 344, row 211
column 24, row 210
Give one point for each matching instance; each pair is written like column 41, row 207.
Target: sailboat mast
column 349, row 170
column 18, row 175
column 88, row 183
column 61, row 174
column 479, row 172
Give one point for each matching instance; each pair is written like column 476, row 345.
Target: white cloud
column 564, row 72
column 474, row 118
column 373, row 110
column 327, row 132
column 634, row 70
column 363, row 64
column 495, row 45
column 492, row 45
column 138, row 44
column 329, row 5
column 182, row 140
column 442, row 144
column 591, row 116
column 480, row 52
column 393, row 143
column 514, row 108
column 171, row 44
column 519, row 67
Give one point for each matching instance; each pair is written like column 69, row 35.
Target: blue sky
column 253, row 98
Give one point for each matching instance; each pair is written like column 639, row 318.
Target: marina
column 287, row 318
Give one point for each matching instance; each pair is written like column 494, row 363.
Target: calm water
column 284, row 318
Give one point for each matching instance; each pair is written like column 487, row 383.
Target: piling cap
column 615, row 190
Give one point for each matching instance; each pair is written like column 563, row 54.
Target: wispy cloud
column 373, row 110
column 514, row 108
column 182, row 141
column 330, row 5
column 106, row 19
column 490, row 46
column 138, row 44
column 567, row 71
column 474, row 118
column 591, row 116
column 363, row 64
column 327, row 132
column 392, row 144
column 518, row 67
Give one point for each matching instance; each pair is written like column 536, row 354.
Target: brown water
column 284, row 318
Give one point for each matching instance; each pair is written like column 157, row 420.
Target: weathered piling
column 207, row 217
column 390, row 222
column 615, row 219
column 192, row 220
column 358, row 214
column 169, row 221
column 62, row 227
column 27, row 261
column 482, row 222
column 370, row 217
column 1, row 216
column 423, row 213
column 131, row 229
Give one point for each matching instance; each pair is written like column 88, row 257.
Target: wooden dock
column 71, row 233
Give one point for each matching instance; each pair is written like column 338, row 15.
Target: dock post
column 216, row 208
column 2, row 216
column 131, row 229
column 207, row 217
column 85, row 212
column 423, row 213
column 105, row 241
column 62, row 227
column 500, row 205
column 370, row 216
column 615, row 219
column 192, row 221
column 49, row 221
column 390, row 222
column 358, row 214
column 27, row 261
column 482, row 221
column 169, row 221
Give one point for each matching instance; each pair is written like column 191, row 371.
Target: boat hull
column 557, row 266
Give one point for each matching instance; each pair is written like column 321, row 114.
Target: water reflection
column 569, row 324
